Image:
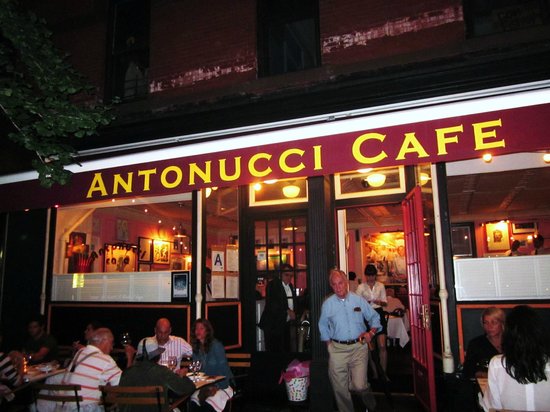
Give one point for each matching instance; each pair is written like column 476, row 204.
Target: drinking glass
column 172, row 363
column 125, row 339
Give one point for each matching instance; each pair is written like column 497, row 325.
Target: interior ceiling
column 514, row 195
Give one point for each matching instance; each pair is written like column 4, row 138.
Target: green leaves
column 37, row 93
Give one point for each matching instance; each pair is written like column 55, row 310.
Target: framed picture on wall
column 524, row 227
column 498, row 237
column 463, row 241
column 181, row 284
column 161, row 251
column 145, row 251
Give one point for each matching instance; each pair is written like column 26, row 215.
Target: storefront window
column 276, row 192
column 222, row 274
column 370, row 182
column 124, row 236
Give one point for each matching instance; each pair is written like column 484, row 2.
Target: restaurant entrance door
column 280, row 246
column 419, row 299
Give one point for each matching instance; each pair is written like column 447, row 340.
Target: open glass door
column 419, row 299
column 280, row 246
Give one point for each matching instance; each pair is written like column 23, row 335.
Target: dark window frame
column 491, row 17
column 279, row 26
column 128, row 50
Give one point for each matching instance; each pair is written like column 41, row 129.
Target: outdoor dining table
column 38, row 373
column 200, row 381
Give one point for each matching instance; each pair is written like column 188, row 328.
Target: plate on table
column 47, row 367
column 197, row 374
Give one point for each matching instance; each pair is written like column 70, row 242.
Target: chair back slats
column 134, row 395
column 238, row 360
column 58, row 393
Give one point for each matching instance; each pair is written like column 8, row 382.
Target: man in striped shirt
column 90, row 367
column 8, row 376
column 173, row 345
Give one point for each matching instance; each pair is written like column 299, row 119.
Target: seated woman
column 519, row 379
column 211, row 353
column 482, row 348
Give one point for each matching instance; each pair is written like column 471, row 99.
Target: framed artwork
column 122, row 230
column 181, row 284
column 497, row 236
column 161, row 251
column 177, row 262
column 119, row 257
column 462, row 240
column 145, row 251
column 524, row 227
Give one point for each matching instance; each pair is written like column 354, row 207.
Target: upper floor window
column 129, row 49
column 288, row 36
column 484, row 17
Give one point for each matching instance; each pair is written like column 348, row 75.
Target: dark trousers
column 281, row 339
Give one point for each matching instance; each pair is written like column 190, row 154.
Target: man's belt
column 346, row 342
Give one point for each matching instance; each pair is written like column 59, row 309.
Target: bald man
column 173, row 345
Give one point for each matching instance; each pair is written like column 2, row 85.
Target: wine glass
column 125, row 339
column 172, row 363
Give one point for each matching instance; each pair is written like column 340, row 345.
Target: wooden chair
column 240, row 365
column 59, row 393
column 116, row 396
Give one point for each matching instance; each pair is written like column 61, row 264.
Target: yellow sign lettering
column 147, row 178
column 164, row 177
column 480, row 135
column 252, row 165
column 125, row 184
column 205, row 175
column 223, row 171
column 411, row 145
column 356, row 148
column 97, row 185
column 317, row 158
column 443, row 139
column 283, row 161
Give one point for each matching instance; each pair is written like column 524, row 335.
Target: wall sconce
column 291, row 191
column 375, row 179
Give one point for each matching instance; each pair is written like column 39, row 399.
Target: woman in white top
column 519, row 379
column 375, row 293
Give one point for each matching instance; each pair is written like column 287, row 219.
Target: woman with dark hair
column 211, row 354
column 520, row 377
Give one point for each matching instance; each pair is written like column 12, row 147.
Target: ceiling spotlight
column 257, row 186
column 376, row 179
column 291, row 191
column 208, row 192
column 546, row 157
column 487, row 157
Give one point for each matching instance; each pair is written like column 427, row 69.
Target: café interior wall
column 543, row 228
column 100, row 227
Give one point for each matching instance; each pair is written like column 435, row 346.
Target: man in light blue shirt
column 342, row 327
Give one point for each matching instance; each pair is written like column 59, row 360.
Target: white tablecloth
column 397, row 330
